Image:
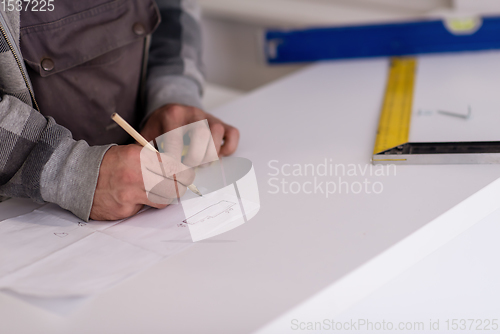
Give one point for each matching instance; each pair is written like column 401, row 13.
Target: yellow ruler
column 392, row 145
column 394, row 125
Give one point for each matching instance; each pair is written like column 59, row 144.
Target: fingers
column 200, row 140
column 171, row 169
column 186, row 177
column 165, row 179
column 156, row 201
column 231, row 140
column 162, row 187
column 172, row 143
column 161, row 164
column 217, row 135
column 223, row 141
column 177, row 120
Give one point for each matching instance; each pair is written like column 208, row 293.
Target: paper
column 94, row 263
column 456, row 98
column 155, row 231
column 29, row 238
column 214, row 214
column 51, row 253
column 15, row 207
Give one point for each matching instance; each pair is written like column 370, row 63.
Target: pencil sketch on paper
column 64, row 234
column 213, row 211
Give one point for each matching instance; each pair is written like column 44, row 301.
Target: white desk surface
column 458, row 281
column 454, row 289
column 298, row 244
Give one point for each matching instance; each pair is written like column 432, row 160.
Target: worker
column 65, row 67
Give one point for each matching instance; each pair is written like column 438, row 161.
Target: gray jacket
column 40, row 159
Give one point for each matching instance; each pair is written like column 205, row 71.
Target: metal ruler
column 392, row 144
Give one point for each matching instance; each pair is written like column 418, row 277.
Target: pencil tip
column 194, row 189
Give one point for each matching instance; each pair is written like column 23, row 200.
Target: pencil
column 141, row 140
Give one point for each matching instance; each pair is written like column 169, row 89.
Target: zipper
column 19, row 64
column 144, row 72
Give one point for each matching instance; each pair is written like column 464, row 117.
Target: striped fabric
column 4, row 47
column 175, row 69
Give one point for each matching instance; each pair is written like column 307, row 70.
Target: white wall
column 233, row 55
column 484, row 6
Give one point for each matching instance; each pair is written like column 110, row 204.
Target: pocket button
column 48, row 64
column 139, row 29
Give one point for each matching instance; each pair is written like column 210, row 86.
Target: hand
column 131, row 177
column 170, row 117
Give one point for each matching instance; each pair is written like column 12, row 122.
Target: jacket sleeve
column 175, row 70
column 40, row 160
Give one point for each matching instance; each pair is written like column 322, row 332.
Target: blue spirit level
column 383, row 40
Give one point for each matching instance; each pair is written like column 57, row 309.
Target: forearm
column 175, row 70
column 40, row 160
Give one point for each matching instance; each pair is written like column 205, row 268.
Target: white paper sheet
column 16, row 207
column 31, row 237
column 55, row 210
column 454, row 83
column 51, row 253
column 83, row 268
column 216, row 213
column 154, row 230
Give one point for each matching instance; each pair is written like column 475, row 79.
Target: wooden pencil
column 141, row 140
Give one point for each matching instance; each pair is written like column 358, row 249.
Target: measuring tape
column 394, row 125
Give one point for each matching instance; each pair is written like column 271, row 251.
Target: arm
column 175, row 70
column 175, row 79
column 40, row 160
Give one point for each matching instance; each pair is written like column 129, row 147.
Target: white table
column 298, row 244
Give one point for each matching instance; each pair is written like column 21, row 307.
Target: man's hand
column 121, row 187
column 173, row 116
